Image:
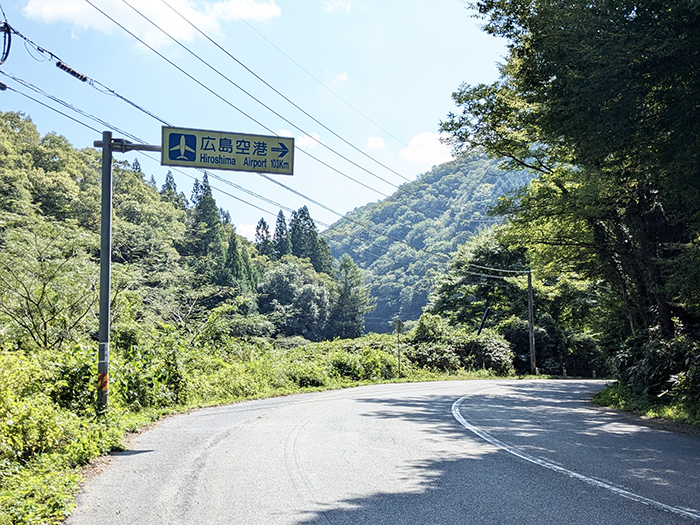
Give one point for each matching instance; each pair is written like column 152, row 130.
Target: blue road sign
column 223, row 150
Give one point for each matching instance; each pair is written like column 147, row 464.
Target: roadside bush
column 517, row 332
column 30, row 427
column 584, row 356
column 651, row 365
column 73, row 378
column 430, row 328
column 550, row 343
column 433, row 356
column 346, row 364
column 378, row 365
column 307, row 374
column 488, row 350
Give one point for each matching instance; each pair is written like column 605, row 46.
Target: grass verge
column 677, row 411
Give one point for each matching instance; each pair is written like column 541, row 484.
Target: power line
column 104, row 89
column 365, row 226
column 52, row 109
column 137, row 139
column 97, row 119
column 247, row 93
column 229, row 103
column 279, row 93
column 313, row 77
column 40, row 91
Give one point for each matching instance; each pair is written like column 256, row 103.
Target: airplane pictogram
column 185, row 151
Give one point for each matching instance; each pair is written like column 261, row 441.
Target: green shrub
column 584, row 355
column 73, row 378
column 307, row 374
column 345, row 364
column 377, row 364
column 433, row 356
column 652, row 365
column 430, row 328
column 489, row 350
column 517, row 332
column 38, row 495
column 29, row 427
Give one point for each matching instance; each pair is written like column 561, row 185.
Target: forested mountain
column 402, row 242
column 176, row 260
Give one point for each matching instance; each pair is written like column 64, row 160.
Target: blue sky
column 379, row 74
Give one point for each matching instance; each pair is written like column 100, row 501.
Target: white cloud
column 343, row 77
column 375, row 143
column 246, row 230
column 308, row 142
column 304, row 140
column 207, row 17
column 338, row 6
column 426, row 150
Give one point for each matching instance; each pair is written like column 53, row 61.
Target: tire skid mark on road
column 300, row 480
column 687, row 513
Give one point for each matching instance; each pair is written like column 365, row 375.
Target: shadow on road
column 552, row 420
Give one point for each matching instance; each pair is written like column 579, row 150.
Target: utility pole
column 531, row 322
column 398, row 325
column 108, row 145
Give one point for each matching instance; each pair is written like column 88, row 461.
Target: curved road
column 445, row 453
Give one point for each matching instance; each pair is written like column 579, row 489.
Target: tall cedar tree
column 262, row 239
column 306, row 243
column 205, row 236
column 347, row 318
column 169, row 192
column 280, row 240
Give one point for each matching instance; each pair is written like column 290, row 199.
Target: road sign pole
column 105, row 274
column 108, row 145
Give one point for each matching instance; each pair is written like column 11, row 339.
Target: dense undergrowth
column 675, row 409
column 50, row 429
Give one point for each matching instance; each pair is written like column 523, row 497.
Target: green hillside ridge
column 436, row 213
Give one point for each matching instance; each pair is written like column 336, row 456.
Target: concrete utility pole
column 108, row 145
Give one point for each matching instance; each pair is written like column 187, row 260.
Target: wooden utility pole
column 398, row 325
column 531, row 322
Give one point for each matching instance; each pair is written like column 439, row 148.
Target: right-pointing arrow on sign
column 282, row 150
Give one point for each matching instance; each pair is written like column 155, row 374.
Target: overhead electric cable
column 229, row 103
column 365, row 226
column 77, row 110
column 137, row 139
column 275, row 90
column 228, row 6
column 52, row 57
column 104, row 89
column 67, row 105
column 222, row 75
column 53, row 109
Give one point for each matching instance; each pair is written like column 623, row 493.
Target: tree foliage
column 597, row 98
column 436, row 213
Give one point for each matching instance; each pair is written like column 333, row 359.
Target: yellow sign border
column 224, row 150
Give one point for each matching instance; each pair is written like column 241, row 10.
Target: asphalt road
column 466, row 452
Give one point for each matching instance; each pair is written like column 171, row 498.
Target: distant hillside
column 436, row 213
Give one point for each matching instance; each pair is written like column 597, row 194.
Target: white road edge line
column 688, row 513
